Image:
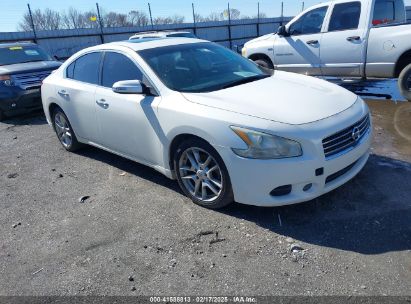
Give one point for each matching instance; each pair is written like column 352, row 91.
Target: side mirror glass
column 282, row 31
column 128, row 87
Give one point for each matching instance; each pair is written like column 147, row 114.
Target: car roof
column 149, row 43
column 11, row 44
column 165, row 32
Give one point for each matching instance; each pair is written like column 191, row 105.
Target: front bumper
column 15, row 101
column 253, row 180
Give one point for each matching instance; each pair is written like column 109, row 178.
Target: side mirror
column 128, row 87
column 282, row 31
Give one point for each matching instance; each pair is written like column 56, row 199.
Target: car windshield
column 200, row 67
column 20, row 54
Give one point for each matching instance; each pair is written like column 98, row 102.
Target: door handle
column 312, row 42
column 353, row 38
column 102, row 103
column 63, row 93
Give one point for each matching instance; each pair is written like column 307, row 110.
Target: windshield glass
column 20, row 54
column 200, row 67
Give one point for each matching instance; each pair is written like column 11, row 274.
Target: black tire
column 404, row 82
column 225, row 196
column 73, row 145
column 2, row 116
column 264, row 63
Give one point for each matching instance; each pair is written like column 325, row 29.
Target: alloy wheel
column 200, row 174
column 63, row 130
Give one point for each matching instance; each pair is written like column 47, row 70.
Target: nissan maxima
column 225, row 128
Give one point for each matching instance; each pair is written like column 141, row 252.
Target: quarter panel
column 386, row 44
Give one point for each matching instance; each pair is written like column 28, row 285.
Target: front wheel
column 404, row 82
column 202, row 175
column 264, row 63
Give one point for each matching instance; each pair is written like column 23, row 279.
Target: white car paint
column 376, row 53
column 142, row 128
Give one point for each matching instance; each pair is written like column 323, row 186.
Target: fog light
column 307, row 187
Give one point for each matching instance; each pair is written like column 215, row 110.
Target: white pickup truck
column 342, row 38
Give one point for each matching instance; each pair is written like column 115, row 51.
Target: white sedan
column 197, row 112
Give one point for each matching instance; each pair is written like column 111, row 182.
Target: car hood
column 259, row 39
column 284, row 97
column 28, row 67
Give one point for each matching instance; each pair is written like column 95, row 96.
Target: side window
column 388, row 11
column 85, row 69
column 70, row 70
column 117, row 67
column 345, row 16
column 309, row 23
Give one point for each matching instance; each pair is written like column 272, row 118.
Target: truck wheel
column 264, row 63
column 404, row 82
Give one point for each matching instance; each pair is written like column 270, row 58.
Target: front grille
column 343, row 141
column 337, row 174
column 30, row 80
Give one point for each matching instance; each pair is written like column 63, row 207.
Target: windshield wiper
column 244, row 80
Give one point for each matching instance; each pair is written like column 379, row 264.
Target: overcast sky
column 12, row 11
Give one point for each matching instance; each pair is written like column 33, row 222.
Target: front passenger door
column 125, row 120
column 300, row 51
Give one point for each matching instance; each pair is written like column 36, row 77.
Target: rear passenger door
column 76, row 92
column 343, row 47
column 125, row 120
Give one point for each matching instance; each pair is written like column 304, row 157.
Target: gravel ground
column 137, row 234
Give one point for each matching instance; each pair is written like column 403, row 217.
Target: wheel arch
column 402, row 62
column 176, row 141
column 263, row 56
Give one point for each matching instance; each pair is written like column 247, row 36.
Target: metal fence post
column 151, row 16
column 32, row 24
column 229, row 26
column 258, row 19
column 100, row 23
column 282, row 13
column 194, row 20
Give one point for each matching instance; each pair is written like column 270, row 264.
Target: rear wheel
column 64, row 131
column 202, row 175
column 404, row 82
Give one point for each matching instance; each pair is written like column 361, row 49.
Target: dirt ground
column 137, row 234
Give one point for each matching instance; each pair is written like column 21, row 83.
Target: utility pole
column 303, row 6
column 282, row 13
column 151, row 16
column 229, row 25
column 100, row 23
column 194, row 19
column 258, row 19
column 32, row 23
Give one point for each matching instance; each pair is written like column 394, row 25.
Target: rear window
column 345, row 16
column 388, row 11
column 21, row 54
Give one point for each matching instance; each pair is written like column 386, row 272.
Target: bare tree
column 234, row 14
column 138, row 18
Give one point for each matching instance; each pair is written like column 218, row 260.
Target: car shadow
column 32, row 118
column 130, row 167
column 371, row 214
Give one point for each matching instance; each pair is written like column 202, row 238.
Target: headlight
column 266, row 146
column 6, row 80
column 244, row 51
